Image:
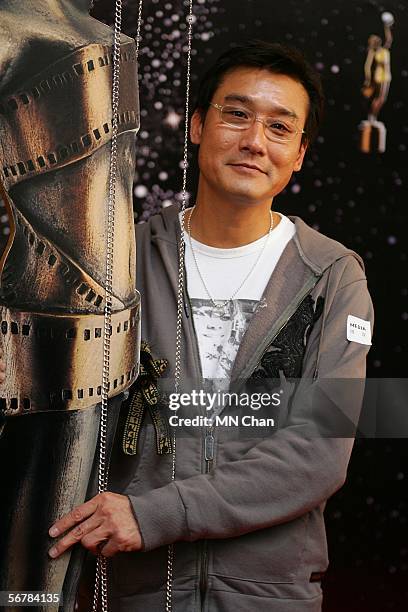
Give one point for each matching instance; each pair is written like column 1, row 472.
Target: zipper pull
column 209, row 446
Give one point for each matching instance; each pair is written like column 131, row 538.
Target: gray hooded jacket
column 247, row 528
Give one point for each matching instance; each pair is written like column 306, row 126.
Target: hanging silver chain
column 139, row 25
column 101, row 569
column 101, row 586
column 180, row 288
column 200, row 274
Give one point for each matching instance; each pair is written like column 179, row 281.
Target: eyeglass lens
column 243, row 118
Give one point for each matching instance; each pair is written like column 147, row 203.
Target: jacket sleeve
column 301, row 465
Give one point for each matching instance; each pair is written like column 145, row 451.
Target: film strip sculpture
column 55, row 150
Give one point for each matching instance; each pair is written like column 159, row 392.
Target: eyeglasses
column 242, row 118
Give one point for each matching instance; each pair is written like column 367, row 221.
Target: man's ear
column 196, row 127
column 300, row 157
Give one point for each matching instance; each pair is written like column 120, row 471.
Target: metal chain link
column 101, row 582
column 180, row 288
column 139, row 25
column 101, row 569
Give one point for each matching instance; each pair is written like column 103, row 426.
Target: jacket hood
column 317, row 251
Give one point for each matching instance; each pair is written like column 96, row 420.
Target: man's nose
column 253, row 138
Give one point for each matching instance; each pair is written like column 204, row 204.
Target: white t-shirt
column 220, row 330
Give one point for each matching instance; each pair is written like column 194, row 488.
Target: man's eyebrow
column 281, row 110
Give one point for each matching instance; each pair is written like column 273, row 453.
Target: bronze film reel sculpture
column 55, row 133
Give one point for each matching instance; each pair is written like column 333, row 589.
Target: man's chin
column 247, row 197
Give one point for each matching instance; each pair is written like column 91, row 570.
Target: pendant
column 224, row 309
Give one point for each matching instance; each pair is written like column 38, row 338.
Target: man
column 271, row 298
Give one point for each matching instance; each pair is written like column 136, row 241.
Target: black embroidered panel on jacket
column 288, row 348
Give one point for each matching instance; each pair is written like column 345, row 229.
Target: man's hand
column 2, row 367
column 104, row 525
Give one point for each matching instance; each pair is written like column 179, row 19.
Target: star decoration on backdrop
column 173, row 119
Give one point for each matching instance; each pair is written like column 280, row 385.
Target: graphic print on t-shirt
column 220, row 331
column 242, row 272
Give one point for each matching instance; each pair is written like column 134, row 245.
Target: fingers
column 78, row 534
column 97, row 541
column 105, row 524
column 77, row 515
column 109, row 549
column 2, row 367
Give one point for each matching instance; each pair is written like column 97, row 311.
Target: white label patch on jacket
column 358, row 330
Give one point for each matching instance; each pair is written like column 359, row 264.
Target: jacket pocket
column 271, row 555
column 138, row 573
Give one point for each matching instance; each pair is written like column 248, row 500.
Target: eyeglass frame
column 220, row 108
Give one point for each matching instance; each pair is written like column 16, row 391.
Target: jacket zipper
column 204, row 544
column 208, row 452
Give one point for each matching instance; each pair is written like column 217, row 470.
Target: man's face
column 243, row 165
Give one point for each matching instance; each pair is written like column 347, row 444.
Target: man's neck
column 230, row 225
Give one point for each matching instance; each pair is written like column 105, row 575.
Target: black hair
column 275, row 57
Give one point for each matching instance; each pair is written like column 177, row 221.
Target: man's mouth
column 250, row 168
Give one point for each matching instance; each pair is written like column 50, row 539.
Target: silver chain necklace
column 101, row 583
column 261, row 252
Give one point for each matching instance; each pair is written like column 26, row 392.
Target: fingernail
column 52, row 552
column 53, row 532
